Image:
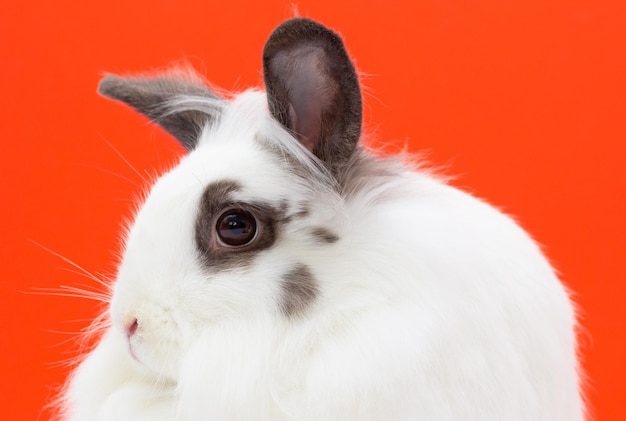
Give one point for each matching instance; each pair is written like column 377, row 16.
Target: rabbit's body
column 370, row 291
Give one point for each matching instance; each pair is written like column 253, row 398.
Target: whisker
column 63, row 332
column 81, row 339
column 68, row 261
column 62, row 363
column 119, row 154
column 92, row 277
column 92, row 331
column 110, row 172
column 104, row 276
column 60, row 294
column 63, row 344
column 101, row 282
column 81, row 321
column 68, row 291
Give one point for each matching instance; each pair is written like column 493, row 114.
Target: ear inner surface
column 150, row 97
column 313, row 89
column 306, row 99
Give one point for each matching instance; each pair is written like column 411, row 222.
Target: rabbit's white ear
column 156, row 98
column 313, row 89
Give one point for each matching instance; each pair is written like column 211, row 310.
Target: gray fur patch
column 325, row 235
column 303, row 211
column 365, row 172
column 151, row 97
column 299, row 289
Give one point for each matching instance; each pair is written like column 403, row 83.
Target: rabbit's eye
column 236, row 228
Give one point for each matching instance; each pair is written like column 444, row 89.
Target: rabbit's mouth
column 133, row 338
column 154, row 357
column 132, row 352
column 134, row 343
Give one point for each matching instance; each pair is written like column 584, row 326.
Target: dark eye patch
column 217, row 198
column 229, row 233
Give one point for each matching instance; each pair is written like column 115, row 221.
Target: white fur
column 433, row 305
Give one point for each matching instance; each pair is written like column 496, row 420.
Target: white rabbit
column 281, row 272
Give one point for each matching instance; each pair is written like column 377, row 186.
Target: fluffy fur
column 429, row 304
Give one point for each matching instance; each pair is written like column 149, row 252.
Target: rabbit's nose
column 132, row 327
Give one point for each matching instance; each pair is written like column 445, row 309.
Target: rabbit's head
column 234, row 230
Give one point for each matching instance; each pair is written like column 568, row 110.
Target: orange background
column 525, row 100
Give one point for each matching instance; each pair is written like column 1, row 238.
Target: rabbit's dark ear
column 153, row 97
column 313, row 89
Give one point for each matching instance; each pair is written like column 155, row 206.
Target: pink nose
column 131, row 328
